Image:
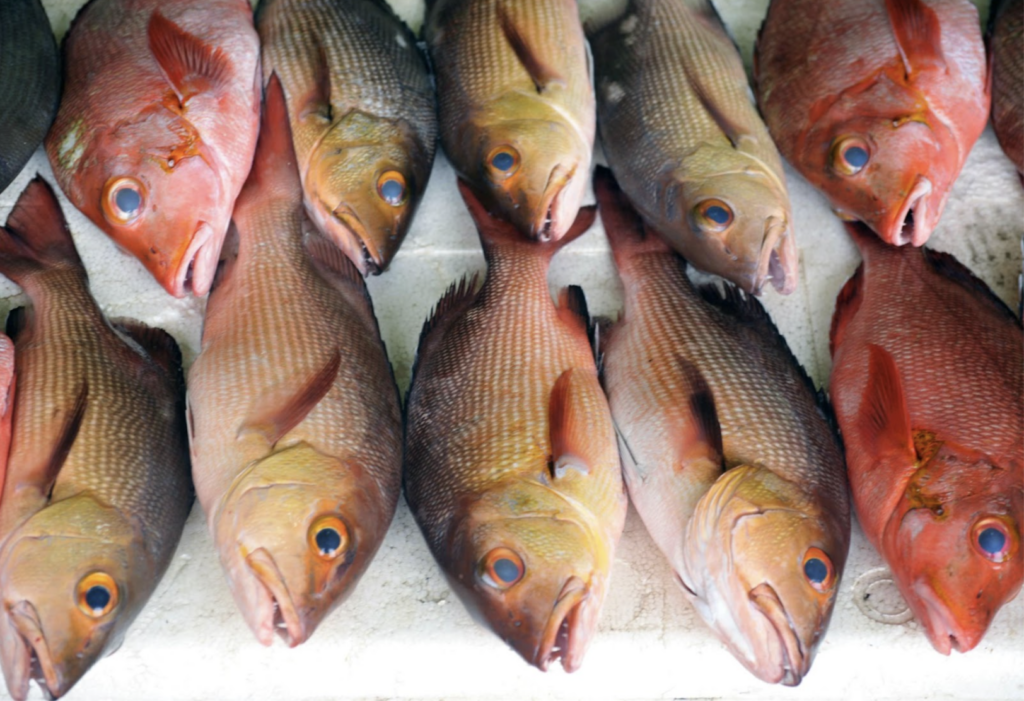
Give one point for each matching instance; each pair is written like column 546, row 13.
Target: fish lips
column 195, row 272
column 941, row 627
column 791, row 660
column 562, row 637
column 275, row 610
column 778, row 261
column 913, row 222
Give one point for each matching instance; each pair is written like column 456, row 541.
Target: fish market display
column 362, row 112
column 511, row 466
column 876, row 102
column 727, row 451
column 6, row 402
column 157, row 127
column 516, row 106
column 294, row 414
column 97, row 486
column 1007, row 46
column 29, row 83
column 687, row 145
column 928, row 384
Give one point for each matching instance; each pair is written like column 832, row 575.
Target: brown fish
column 719, row 426
column 686, row 143
column 362, row 112
column 6, row 402
column 295, row 421
column 511, row 467
column 876, row 102
column 1007, row 54
column 97, row 486
column 516, row 106
column 928, row 384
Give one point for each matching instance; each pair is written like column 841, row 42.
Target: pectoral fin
column 918, row 35
column 190, row 65
column 70, row 422
column 572, row 440
column 540, row 65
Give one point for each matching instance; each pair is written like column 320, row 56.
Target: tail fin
column 495, row 232
column 275, row 167
column 626, row 231
column 36, row 236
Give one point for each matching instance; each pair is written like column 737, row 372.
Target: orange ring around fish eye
column 818, row 570
column 502, row 568
column 850, row 154
column 97, row 594
column 392, row 188
column 503, row 161
column 713, row 215
column 123, row 200
column 992, row 538
column 328, row 537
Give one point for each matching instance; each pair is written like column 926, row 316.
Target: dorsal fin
column 18, row 321
column 918, row 35
column 884, row 419
column 530, row 55
column 190, row 65
column 572, row 310
column 847, row 304
column 452, row 305
column 948, row 266
column 36, row 236
column 158, row 344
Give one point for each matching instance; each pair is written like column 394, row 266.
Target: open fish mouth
column 778, row 260
column 943, row 631
column 794, row 662
column 369, row 260
column 561, row 639
column 37, row 663
column 275, row 610
column 558, row 182
column 913, row 216
column 198, row 265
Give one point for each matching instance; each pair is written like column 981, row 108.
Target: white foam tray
column 403, row 633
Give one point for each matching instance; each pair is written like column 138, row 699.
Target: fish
column 511, row 468
column 29, row 83
column 295, row 425
column 362, row 109
column 157, row 127
column 718, row 426
column 932, row 424
column 1007, row 55
column 876, row 102
column 98, row 486
column 7, row 386
column 683, row 137
column 516, row 106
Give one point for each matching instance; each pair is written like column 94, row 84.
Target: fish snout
column 944, row 632
column 565, row 635
column 276, row 611
column 351, row 235
column 912, row 223
column 37, row 662
column 550, row 215
column 778, row 259
column 194, row 271
column 784, row 659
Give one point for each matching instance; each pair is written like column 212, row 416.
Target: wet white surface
column 404, row 634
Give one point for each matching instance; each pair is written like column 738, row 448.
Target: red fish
column 6, row 401
column 1007, row 42
column 157, row 128
column 876, row 102
column 928, row 386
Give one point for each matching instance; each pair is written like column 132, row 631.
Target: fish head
column 294, row 534
column 742, row 227
column 954, row 545
column 885, row 159
column 536, row 574
column 153, row 186
column 365, row 179
column 71, row 580
column 762, row 566
column 533, row 172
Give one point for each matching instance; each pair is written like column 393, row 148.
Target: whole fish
column 876, row 102
column 295, row 423
column 362, row 112
column 928, row 384
column 1007, row 46
column 719, row 426
column 687, row 145
column 157, row 127
column 29, row 83
column 516, row 106
column 511, row 467
column 97, row 486
column 6, row 402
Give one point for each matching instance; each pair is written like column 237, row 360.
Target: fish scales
column 1007, row 42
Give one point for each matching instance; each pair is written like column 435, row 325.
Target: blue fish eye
column 992, row 541
column 328, row 540
column 97, row 598
column 816, row 570
column 128, row 200
column 503, row 161
column 856, row 157
column 393, row 192
column 506, row 570
column 718, row 215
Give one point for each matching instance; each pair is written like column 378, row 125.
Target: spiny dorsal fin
column 572, row 310
column 158, row 344
column 36, row 236
column 71, row 423
column 884, row 419
column 847, row 304
column 452, row 305
column 18, row 321
column 948, row 266
column 276, row 413
column 918, row 35
column 190, row 65
column 536, row 64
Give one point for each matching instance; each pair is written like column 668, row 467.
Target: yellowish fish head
column 762, row 567
column 72, row 578
column 526, row 564
column 295, row 533
column 532, row 172
column 365, row 179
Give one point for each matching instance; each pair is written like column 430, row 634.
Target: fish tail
column 626, row 231
column 36, row 236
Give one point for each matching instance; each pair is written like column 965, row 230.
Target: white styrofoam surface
column 404, row 634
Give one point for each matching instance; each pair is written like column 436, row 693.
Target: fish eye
column 391, row 188
column 818, row 570
column 328, row 537
column 713, row 215
column 502, row 568
column 503, row 160
column 122, row 200
column 97, row 594
column 992, row 539
column 849, row 155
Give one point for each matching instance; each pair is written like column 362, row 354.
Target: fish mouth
column 37, row 662
column 276, row 612
column 778, row 260
column 198, row 265
column 370, row 261
column 795, row 662
column 561, row 639
column 544, row 228
column 942, row 629
column 912, row 216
